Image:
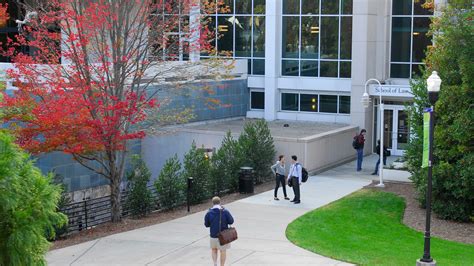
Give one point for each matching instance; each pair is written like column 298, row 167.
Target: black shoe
column 292, row 200
column 297, row 202
column 275, row 198
column 374, row 173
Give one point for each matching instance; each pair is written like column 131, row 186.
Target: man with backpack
column 295, row 178
column 358, row 144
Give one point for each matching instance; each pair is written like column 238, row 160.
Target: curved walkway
column 260, row 221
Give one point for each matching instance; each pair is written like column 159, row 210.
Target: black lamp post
column 188, row 198
column 434, row 84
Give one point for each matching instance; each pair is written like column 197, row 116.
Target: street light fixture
column 366, row 102
column 434, row 85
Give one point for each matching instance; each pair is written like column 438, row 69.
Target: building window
column 289, row 102
column 317, row 38
column 170, row 31
column 309, row 102
column 316, row 103
column 328, row 104
column 240, row 32
column 344, row 104
column 410, row 25
column 257, row 100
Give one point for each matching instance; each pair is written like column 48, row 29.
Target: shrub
column 139, row 199
column 196, row 165
column 64, row 200
column 170, row 184
column 28, row 207
column 226, row 163
column 453, row 165
column 258, row 150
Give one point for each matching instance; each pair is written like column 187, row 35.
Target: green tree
column 28, row 207
column 170, row 184
column 197, row 165
column 225, row 166
column 453, row 170
column 139, row 198
column 258, row 149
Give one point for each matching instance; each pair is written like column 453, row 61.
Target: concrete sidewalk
column 260, row 221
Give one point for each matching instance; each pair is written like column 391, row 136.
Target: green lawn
column 366, row 228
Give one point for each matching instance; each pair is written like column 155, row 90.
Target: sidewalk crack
column 175, row 250
column 87, row 250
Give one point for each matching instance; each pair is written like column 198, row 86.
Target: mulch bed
column 128, row 224
column 414, row 216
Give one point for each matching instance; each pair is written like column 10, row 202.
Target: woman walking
column 279, row 171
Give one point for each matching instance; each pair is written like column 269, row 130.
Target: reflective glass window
column 328, row 69
column 291, row 6
column 344, row 104
column 243, row 36
column 290, row 37
column 289, row 102
column 310, row 7
column 243, row 6
column 400, row 70
column 309, row 37
column 257, row 100
column 401, row 7
column 309, row 102
column 329, row 7
column 309, row 68
column 420, row 38
column 401, row 39
column 328, row 103
column 259, row 36
column 289, row 67
column 345, row 69
column 258, row 67
column 225, row 30
column 259, row 6
column 329, row 37
column 346, row 38
column 346, row 6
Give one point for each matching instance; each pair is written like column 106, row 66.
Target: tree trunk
column 116, row 213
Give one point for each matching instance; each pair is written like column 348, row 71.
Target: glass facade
column 317, row 38
column 240, row 29
column 410, row 25
column 315, row 103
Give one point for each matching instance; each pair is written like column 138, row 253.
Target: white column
column 364, row 62
column 272, row 57
column 194, row 28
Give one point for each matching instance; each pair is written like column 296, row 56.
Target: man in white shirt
column 295, row 177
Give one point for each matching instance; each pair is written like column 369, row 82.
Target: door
column 396, row 129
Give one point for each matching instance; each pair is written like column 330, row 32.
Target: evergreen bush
column 453, row 165
column 198, row 166
column 226, row 163
column 139, row 199
column 28, row 207
column 258, row 149
column 170, row 184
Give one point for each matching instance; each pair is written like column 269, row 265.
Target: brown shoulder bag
column 228, row 235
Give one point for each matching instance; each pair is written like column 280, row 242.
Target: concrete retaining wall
column 316, row 152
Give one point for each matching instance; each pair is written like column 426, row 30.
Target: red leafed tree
column 83, row 68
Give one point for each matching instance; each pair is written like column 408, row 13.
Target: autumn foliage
column 84, row 74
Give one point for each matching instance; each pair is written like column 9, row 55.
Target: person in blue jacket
column 215, row 216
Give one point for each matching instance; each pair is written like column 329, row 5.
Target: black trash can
column 246, row 180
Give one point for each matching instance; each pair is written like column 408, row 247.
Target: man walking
column 295, row 177
column 386, row 153
column 218, row 219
